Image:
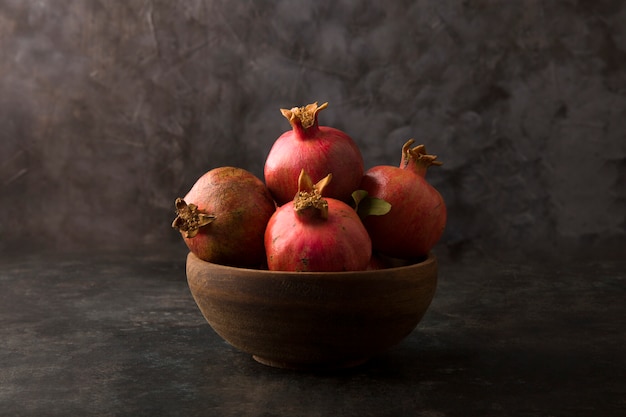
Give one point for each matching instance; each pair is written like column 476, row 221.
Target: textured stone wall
column 110, row 110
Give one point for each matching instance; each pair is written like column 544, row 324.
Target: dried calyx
column 309, row 200
column 418, row 157
column 189, row 219
column 305, row 115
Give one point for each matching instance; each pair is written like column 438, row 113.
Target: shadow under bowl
column 312, row 320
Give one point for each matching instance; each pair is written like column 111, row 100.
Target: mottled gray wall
column 111, row 109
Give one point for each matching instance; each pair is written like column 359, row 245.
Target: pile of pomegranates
column 318, row 210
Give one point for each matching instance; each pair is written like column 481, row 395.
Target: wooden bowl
column 319, row 320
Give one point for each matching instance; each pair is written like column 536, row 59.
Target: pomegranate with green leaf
column 417, row 217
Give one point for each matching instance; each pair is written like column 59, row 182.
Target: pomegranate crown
column 189, row 219
column 418, row 156
column 305, row 115
column 310, row 195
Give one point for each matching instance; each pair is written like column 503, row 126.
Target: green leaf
column 358, row 196
column 372, row 206
column 369, row 206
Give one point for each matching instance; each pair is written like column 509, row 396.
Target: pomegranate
column 316, row 149
column 316, row 234
column 222, row 219
column 417, row 216
column 377, row 263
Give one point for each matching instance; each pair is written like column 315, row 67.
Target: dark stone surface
column 119, row 334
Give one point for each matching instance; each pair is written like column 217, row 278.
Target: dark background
column 110, row 110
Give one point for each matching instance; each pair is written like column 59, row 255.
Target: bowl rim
column 428, row 262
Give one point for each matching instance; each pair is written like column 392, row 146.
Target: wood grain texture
column 312, row 320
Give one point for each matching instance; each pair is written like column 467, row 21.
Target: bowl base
column 310, row 366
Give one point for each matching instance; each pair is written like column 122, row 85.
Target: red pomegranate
column 418, row 213
column 223, row 217
column 316, row 234
column 316, row 149
column 377, row 263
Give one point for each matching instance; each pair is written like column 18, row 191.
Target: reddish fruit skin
column 319, row 150
column 417, row 217
column 242, row 206
column 377, row 263
column 294, row 242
